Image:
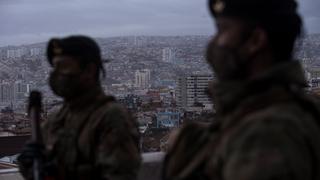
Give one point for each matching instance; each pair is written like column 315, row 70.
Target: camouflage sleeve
column 186, row 143
column 269, row 149
column 117, row 155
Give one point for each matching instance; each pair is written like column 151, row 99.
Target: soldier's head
column 76, row 63
column 252, row 35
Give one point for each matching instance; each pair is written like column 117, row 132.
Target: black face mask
column 66, row 86
column 226, row 62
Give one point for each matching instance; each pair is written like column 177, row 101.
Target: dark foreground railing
column 151, row 167
column 150, row 170
column 10, row 174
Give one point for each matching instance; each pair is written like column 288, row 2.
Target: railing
column 151, row 167
column 10, row 174
column 150, row 170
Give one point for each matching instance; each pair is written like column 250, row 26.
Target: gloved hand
column 30, row 152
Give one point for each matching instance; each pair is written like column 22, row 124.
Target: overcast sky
column 29, row 21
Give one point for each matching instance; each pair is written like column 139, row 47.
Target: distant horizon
column 98, row 37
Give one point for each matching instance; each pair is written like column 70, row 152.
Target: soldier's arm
column 268, row 150
column 117, row 155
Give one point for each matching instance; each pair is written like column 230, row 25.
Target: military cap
column 253, row 9
column 279, row 19
column 83, row 47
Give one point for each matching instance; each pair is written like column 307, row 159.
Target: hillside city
column 162, row 80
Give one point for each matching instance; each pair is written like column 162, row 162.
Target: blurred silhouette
column 265, row 126
column 91, row 137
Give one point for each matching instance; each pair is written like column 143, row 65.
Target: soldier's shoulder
column 276, row 117
column 114, row 113
column 115, row 108
column 263, row 125
column 286, row 110
column 108, row 104
column 189, row 134
column 51, row 116
column 283, row 122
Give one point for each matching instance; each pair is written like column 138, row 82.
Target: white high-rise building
column 35, row 51
column 192, row 90
column 16, row 53
column 167, row 55
column 6, row 92
column 142, row 78
column 20, row 90
column 13, row 91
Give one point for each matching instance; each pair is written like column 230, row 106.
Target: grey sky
column 28, row 21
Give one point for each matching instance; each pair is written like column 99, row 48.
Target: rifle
column 34, row 111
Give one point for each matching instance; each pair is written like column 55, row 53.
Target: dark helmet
column 82, row 47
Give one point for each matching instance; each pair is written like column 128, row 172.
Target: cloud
column 309, row 9
column 37, row 19
column 24, row 21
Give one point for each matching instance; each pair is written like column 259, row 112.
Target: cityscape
column 192, row 122
column 162, row 80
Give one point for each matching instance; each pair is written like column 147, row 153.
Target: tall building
column 192, row 91
column 142, row 79
column 167, row 55
column 139, row 41
column 35, row 51
column 6, row 92
column 13, row 91
column 16, row 53
column 21, row 90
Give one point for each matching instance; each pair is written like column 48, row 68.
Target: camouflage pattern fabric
column 266, row 128
column 93, row 139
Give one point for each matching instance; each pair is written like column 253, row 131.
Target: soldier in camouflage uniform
column 266, row 126
column 91, row 137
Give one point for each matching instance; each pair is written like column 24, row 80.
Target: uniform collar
column 86, row 99
column 227, row 95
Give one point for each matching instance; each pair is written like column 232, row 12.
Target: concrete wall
column 150, row 170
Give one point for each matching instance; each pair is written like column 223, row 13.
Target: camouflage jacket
column 93, row 138
column 266, row 128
